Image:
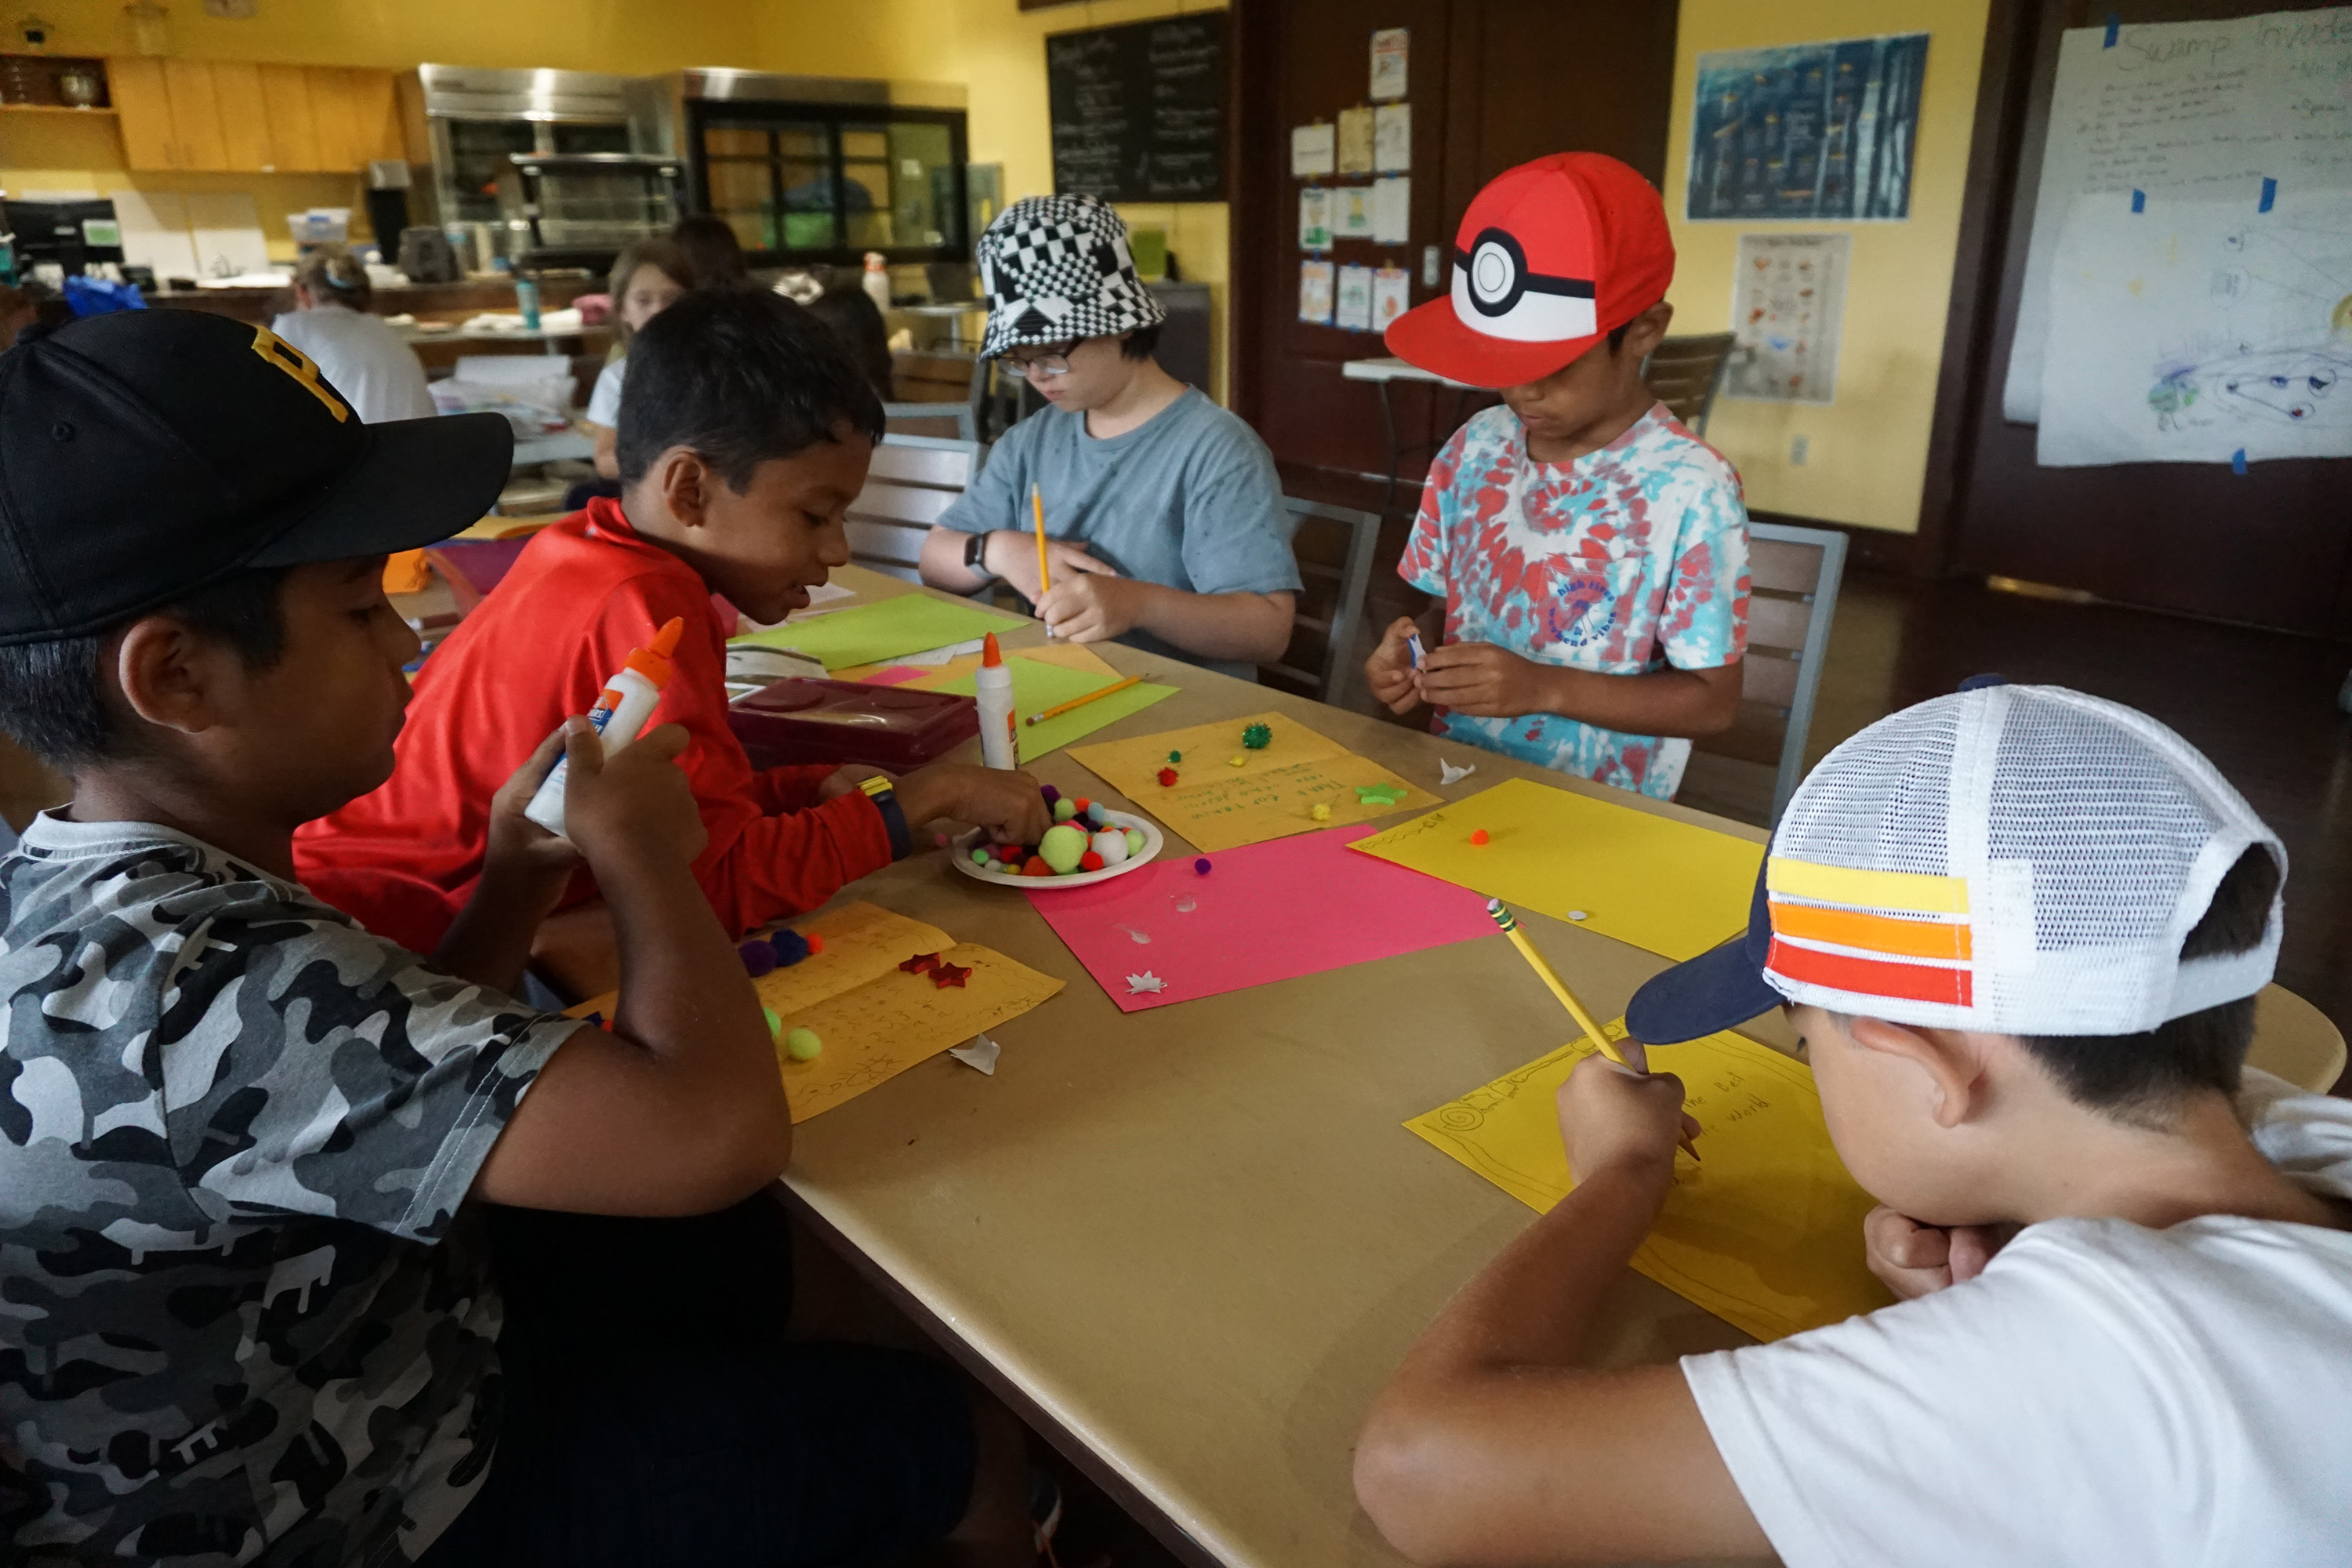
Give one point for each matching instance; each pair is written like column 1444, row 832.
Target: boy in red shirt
column 745, row 434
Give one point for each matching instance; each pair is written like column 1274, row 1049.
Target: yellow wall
column 1868, row 449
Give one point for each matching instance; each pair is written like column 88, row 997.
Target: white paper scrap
column 1137, row 985
column 1448, row 773
column 979, row 1052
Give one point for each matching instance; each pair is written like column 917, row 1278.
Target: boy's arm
column 1254, row 628
column 679, row 1108
column 1490, row 1445
column 525, row 870
column 1486, row 681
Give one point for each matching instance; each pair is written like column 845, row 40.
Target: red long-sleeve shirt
column 404, row 859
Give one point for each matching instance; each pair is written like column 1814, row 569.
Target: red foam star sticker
column 921, row 962
column 947, row 974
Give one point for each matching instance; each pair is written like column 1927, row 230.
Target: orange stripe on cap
column 1872, row 933
column 1870, row 976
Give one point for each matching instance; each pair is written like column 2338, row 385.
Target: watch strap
column 894, row 816
column 975, row 555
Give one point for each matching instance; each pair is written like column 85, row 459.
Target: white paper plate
column 960, row 852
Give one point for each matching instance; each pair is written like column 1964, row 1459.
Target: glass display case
column 803, row 183
column 584, row 207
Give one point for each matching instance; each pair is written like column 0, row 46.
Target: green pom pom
column 775, row 1023
column 979, row 857
column 1061, row 849
column 1065, row 809
column 1175, row 757
column 1135, row 841
column 1257, row 737
column 803, row 1046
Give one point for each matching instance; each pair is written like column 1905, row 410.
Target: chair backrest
column 1793, row 576
column 1686, row 371
column 1334, row 546
column 951, row 421
column 912, row 482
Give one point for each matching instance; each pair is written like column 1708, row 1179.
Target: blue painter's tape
column 2270, row 195
column 2238, row 461
column 2139, row 201
column 2115, row 25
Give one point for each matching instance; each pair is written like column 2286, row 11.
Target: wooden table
column 1188, row 1244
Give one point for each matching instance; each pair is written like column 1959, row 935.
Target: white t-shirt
column 2102, row 1394
column 604, row 399
column 363, row 359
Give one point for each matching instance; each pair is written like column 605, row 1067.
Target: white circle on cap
column 1492, row 272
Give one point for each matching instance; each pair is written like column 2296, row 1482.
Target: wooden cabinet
column 232, row 117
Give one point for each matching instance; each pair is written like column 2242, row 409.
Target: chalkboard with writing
column 1139, row 110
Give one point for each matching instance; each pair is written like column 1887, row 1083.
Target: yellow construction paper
column 1271, row 795
column 1764, row 1230
column 874, row 1019
column 1068, row 654
column 1039, row 684
column 1643, row 879
column 885, row 629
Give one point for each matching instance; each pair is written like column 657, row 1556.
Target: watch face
column 974, row 547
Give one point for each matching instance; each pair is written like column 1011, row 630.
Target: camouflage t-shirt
column 241, row 1317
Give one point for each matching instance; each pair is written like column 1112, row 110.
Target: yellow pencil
column 1037, row 513
column 1550, row 976
column 1061, row 707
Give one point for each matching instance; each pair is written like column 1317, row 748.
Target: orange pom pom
column 1036, row 866
column 1090, row 862
column 1479, row 836
column 816, row 942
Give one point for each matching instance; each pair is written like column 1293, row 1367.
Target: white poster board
column 2200, row 109
column 2199, row 331
column 1787, row 305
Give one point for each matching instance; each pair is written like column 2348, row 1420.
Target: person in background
column 1164, row 511
column 648, row 279
column 713, row 251
column 1585, row 555
column 858, row 322
column 18, row 309
column 361, row 357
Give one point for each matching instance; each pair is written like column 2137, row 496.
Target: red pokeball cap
column 1550, row 257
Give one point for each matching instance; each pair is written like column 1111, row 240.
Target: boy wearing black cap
column 2020, row 931
column 1587, row 556
column 249, row 1311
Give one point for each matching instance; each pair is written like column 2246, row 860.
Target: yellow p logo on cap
column 301, row 366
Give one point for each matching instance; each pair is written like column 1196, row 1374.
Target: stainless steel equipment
column 477, row 118
column 583, row 207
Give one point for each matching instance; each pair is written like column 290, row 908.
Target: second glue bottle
column 623, row 711
column 993, row 686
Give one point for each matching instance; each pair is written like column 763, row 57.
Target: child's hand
column 1005, row 801
column 516, row 843
column 1389, row 670
column 1614, row 1117
column 1012, row 556
column 634, row 806
column 1092, row 607
column 1484, row 682
column 1914, row 1259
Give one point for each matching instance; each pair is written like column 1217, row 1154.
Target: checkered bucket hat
column 1056, row 267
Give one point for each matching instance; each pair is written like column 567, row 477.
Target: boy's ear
column 169, row 675
column 1948, row 1060
column 1646, row 330
column 683, row 482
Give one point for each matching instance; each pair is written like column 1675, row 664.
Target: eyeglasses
column 1046, row 366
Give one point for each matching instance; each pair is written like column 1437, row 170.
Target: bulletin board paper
column 1315, row 218
column 1787, row 305
column 2193, row 332
column 1391, row 52
column 1352, row 212
column 1764, row 1230
column 1310, row 150
column 1392, row 210
column 1355, row 141
column 1392, row 138
column 1391, row 296
column 2196, row 110
column 1315, row 284
column 1353, row 311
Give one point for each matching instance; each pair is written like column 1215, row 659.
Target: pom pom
column 815, row 942
column 757, row 955
column 1090, row 862
column 803, row 1046
column 1061, row 847
column 979, row 857
column 1200, row 867
column 1238, row 759
column 1257, row 737
column 1167, row 778
column 1085, row 804
column 1050, row 793
column 1065, row 809
column 1036, row 868
column 1110, row 845
column 775, row 1022
column 1134, row 841
column 1321, row 812
column 1479, row 836
column 1175, row 756
column 791, row 948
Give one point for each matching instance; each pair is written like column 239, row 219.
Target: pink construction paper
column 1264, row 912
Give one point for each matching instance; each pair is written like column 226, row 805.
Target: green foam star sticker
column 1378, row 795
column 1257, row 737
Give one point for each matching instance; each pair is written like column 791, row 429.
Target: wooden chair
column 1793, row 575
column 912, row 482
column 950, row 421
column 1686, row 373
column 1334, row 547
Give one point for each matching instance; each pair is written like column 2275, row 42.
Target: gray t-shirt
column 1189, row 500
column 239, row 1307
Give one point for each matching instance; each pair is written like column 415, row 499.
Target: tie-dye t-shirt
column 1627, row 560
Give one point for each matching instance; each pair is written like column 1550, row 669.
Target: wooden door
column 2272, row 547
column 293, row 130
column 143, row 109
column 196, row 139
column 244, row 118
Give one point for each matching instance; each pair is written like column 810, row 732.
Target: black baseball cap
column 147, row 454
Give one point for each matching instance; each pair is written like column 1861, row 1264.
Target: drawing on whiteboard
column 2188, row 332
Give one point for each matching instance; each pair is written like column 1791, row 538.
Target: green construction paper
column 1037, row 685
column 887, row 628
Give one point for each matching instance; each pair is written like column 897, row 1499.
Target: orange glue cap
column 652, row 662
column 990, row 655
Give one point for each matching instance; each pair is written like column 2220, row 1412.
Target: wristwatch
column 894, row 817
column 975, row 555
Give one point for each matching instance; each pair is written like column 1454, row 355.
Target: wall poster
column 1807, row 131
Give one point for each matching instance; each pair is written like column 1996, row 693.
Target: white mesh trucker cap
column 2013, row 860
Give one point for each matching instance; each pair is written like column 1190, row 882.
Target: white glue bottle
column 621, row 711
column 993, row 686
